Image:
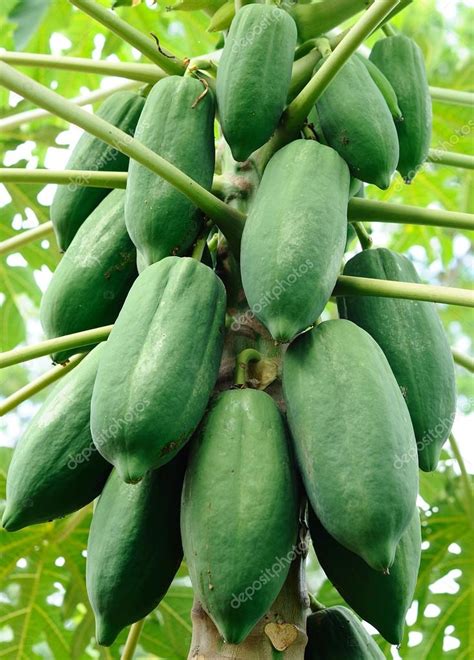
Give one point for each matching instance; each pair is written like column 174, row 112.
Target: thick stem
column 229, row 220
column 465, row 478
column 374, row 211
column 132, row 640
column 146, row 45
column 452, row 96
column 15, row 242
column 76, row 340
column 88, row 178
column 348, row 285
column 13, row 121
column 463, row 360
column 365, row 239
column 440, row 157
column 39, row 384
column 148, row 73
column 242, row 363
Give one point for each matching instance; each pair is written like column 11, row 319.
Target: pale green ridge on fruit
column 294, row 237
column 55, row 468
column 357, row 123
column 381, row 600
column 92, row 280
column 159, row 366
column 350, row 426
column 239, row 516
column 334, row 633
column 134, row 548
column 161, row 220
column 384, row 86
column 254, row 76
column 74, row 202
column 401, row 61
column 412, row 337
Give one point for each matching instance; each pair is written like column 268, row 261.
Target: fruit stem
column 132, row 640
column 13, row 121
column 388, row 30
column 76, row 340
column 12, row 244
column 347, row 285
column 241, row 365
column 463, row 360
column 89, row 178
column 365, row 239
column 441, row 157
column 39, row 384
column 198, row 248
column 131, row 35
column 230, row 221
column 375, row 211
column 465, row 478
column 452, row 96
column 149, row 73
column 314, row 604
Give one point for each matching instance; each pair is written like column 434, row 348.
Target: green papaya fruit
column 254, row 76
column 349, row 424
column 159, row 366
column 239, row 514
column 381, row 600
column 73, row 203
column 384, row 86
column 401, row 61
column 134, row 548
column 294, row 237
column 334, row 633
column 55, row 468
column 94, row 276
column 179, row 126
column 411, row 335
column 366, row 140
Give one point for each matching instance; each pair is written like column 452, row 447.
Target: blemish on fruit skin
column 170, row 447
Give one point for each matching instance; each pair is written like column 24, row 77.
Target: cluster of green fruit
column 362, row 393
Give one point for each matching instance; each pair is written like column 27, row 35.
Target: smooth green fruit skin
column 55, row 468
column 134, row 548
column 336, row 634
column 73, row 203
column 350, row 424
column 381, row 600
column 159, row 366
column 161, row 220
column 412, row 337
column 254, row 76
column 384, row 86
column 294, row 237
column 239, row 514
column 401, row 61
column 362, row 131
column 94, row 276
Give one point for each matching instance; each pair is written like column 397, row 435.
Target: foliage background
column 43, row 604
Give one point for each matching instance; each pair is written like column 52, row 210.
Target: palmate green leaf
column 27, row 15
column 449, row 530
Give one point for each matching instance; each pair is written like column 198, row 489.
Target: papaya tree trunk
column 280, row 634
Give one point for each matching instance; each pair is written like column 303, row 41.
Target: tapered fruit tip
column 280, row 331
column 232, row 634
column 105, row 633
column 381, row 560
column 129, row 470
column 383, row 182
column 428, row 463
column 10, row 522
